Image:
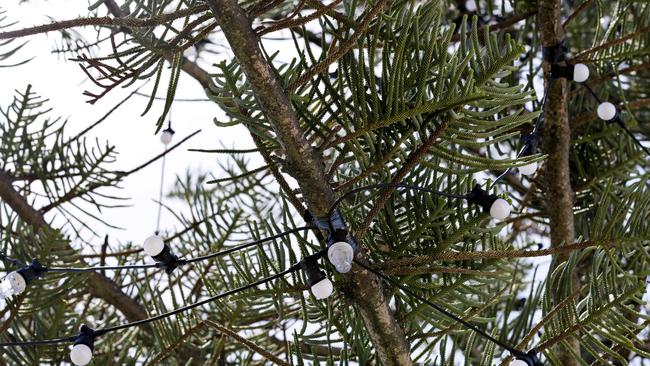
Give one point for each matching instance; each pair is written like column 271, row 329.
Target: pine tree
column 433, row 94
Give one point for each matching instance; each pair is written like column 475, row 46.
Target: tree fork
column 308, row 169
column 557, row 144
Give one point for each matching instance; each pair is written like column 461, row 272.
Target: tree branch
column 308, row 169
column 556, row 135
column 104, row 21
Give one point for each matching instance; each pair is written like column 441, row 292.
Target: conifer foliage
column 438, row 94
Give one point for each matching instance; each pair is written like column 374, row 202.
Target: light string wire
column 618, row 120
column 160, row 265
column 162, row 177
column 535, row 132
column 515, row 352
column 102, row 331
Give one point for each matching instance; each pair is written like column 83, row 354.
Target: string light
column 578, row 72
column 36, row 270
column 83, row 343
column 340, row 252
column 15, row 283
column 156, row 248
column 82, row 350
column 609, row 113
column 167, row 135
column 321, row 286
column 606, row 111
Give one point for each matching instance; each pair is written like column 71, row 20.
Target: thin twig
column 128, row 22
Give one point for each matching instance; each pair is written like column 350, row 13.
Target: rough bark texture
column 557, row 144
column 308, row 169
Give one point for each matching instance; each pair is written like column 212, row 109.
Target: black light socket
column 479, row 196
column 312, row 270
column 168, row 260
column 33, row 271
column 530, row 358
column 86, row 336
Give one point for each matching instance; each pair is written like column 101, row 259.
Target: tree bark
column 557, row 144
column 308, row 169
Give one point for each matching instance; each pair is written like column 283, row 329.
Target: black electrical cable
column 292, row 268
column 191, row 260
column 538, row 125
column 391, row 185
column 247, row 245
column 102, row 331
column 515, row 352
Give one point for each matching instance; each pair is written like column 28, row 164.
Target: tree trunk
column 557, row 144
column 308, row 169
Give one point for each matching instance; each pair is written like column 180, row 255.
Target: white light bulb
column 166, row 137
column 12, row 284
column 580, row 73
column 81, row 354
column 606, row 111
column 323, row 289
column 340, row 255
column 528, row 169
column 500, row 209
column 153, row 245
column 518, row 363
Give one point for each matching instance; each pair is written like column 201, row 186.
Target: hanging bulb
column 16, row 282
column 154, row 245
column 528, row 169
column 497, row 207
column 322, row 289
column 166, row 136
column 82, row 350
column 518, row 363
column 527, row 359
column 580, row 73
column 500, row 209
column 321, row 286
column 12, row 284
column 340, row 255
column 529, row 142
column 606, row 111
column 156, row 248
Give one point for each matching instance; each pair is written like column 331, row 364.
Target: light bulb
column 580, row 73
column 81, row 354
column 166, row 136
column 528, row 169
column 153, row 245
column 606, row 111
column 518, row 363
column 12, row 284
column 340, row 255
column 322, row 289
column 500, row 209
